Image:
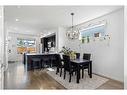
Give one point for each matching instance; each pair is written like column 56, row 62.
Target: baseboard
column 108, row 78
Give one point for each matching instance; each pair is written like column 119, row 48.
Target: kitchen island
column 49, row 57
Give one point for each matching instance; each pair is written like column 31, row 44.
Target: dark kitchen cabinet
column 48, row 43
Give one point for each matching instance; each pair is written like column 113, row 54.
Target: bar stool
column 36, row 63
column 52, row 60
column 46, row 62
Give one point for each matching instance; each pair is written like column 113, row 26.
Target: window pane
column 91, row 31
column 25, row 45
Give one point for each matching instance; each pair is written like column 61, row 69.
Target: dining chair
column 68, row 67
column 86, row 66
column 86, row 56
column 59, row 65
column 77, row 55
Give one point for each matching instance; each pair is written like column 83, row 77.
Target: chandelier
column 72, row 33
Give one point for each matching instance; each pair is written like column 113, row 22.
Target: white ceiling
column 48, row 17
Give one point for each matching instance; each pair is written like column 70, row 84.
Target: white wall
column 125, row 48
column 1, row 36
column 1, row 49
column 61, row 37
column 107, row 57
column 12, row 37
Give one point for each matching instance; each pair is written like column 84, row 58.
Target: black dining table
column 78, row 63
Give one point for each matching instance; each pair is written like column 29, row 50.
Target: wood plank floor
column 16, row 77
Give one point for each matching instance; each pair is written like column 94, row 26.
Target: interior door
column 2, row 60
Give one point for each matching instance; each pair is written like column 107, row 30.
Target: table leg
column 78, row 74
column 90, row 69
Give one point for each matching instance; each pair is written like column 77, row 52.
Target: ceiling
column 40, row 18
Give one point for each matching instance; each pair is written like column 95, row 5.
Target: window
column 26, row 45
column 94, row 31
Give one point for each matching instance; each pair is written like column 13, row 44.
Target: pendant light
column 72, row 33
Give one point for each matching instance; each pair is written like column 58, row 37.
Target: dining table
column 81, row 62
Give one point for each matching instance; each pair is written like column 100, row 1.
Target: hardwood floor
column 16, row 77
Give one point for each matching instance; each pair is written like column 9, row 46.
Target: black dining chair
column 68, row 67
column 86, row 56
column 77, row 55
column 59, row 64
column 86, row 66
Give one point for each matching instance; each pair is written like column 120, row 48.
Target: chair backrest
column 67, row 63
column 77, row 55
column 86, row 56
column 58, row 60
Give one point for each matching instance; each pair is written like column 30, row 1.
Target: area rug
column 85, row 83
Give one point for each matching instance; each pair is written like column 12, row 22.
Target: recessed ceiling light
column 16, row 19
